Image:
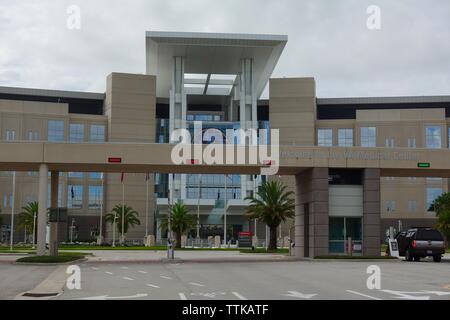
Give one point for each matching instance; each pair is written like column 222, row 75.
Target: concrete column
column 371, row 213
column 54, row 186
column 311, row 213
column 42, row 213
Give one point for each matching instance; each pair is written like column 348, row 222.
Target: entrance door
column 340, row 229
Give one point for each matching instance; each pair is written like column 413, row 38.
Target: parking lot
column 301, row 280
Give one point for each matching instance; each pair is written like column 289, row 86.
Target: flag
column 72, row 193
column 121, row 177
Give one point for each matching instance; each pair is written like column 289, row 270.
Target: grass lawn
column 355, row 257
column 48, row 259
column 262, row 250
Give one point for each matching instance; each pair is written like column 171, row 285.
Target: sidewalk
column 117, row 256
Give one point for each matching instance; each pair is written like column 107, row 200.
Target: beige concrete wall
column 130, row 106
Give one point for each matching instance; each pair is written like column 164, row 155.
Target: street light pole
column 225, row 215
column 146, row 207
column 100, row 231
column 198, row 206
column 12, row 211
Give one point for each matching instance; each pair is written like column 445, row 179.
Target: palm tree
column 441, row 205
column 27, row 217
column 271, row 205
column 181, row 221
column 130, row 218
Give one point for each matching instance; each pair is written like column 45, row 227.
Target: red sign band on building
column 115, row 160
column 268, row 162
column 192, row 161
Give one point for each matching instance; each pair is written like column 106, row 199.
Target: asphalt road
column 15, row 279
column 260, row 281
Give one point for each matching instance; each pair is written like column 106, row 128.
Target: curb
column 179, row 260
column 50, row 263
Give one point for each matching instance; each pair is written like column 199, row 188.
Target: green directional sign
column 424, row 165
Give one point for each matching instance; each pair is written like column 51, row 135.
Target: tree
column 181, row 221
column 271, row 205
column 441, row 205
column 27, row 217
column 130, row 218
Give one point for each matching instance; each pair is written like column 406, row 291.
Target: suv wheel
column 437, row 258
column 408, row 255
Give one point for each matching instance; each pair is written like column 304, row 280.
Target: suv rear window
column 432, row 235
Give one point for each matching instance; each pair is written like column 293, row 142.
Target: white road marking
column 182, row 296
column 139, row 295
column 363, row 295
column 125, row 268
column 143, row 272
column 108, row 272
column 153, row 286
column 126, row 278
column 168, row 278
column 407, row 295
column 296, row 294
column 196, row 284
column 240, row 297
column 94, row 268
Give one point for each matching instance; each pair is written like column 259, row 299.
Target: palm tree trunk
column 178, row 244
column 273, row 239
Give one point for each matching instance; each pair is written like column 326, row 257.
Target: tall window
column 412, row 206
column 433, row 137
column 325, row 137
column 76, row 132
column 390, row 143
column 368, row 137
column 345, row 137
column 390, row 206
column 33, row 135
column 78, row 175
column 95, row 175
column 55, row 130
column 412, row 143
column 75, row 196
column 97, row 133
column 432, row 194
column 10, row 135
column 95, row 196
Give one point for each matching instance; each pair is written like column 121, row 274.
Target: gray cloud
column 328, row 39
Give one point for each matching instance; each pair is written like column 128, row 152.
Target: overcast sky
column 328, row 39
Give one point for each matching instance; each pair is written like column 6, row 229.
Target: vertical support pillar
column 371, row 213
column 247, row 106
column 178, row 111
column 42, row 212
column 54, row 186
column 311, row 213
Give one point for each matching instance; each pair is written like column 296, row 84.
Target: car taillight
column 414, row 243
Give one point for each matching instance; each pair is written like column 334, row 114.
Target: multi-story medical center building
column 219, row 79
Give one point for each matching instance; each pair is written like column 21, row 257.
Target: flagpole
column 100, row 232
column 12, row 211
column 123, row 210
column 225, row 215
column 146, row 207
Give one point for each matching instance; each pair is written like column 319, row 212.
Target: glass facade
column 95, row 196
column 55, row 130
column 368, row 137
column 325, row 137
column 76, row 132
column 75, row 196
column 433, row 137
column 345, row 137
column 342, row 228
column 432, row 194
column 97, row 133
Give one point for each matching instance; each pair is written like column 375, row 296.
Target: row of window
column 74, row 197
column 55, row 132
column 431, row 193
column 368, row 138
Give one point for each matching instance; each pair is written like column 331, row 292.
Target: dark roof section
column 345, row 108
column 79, row 102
